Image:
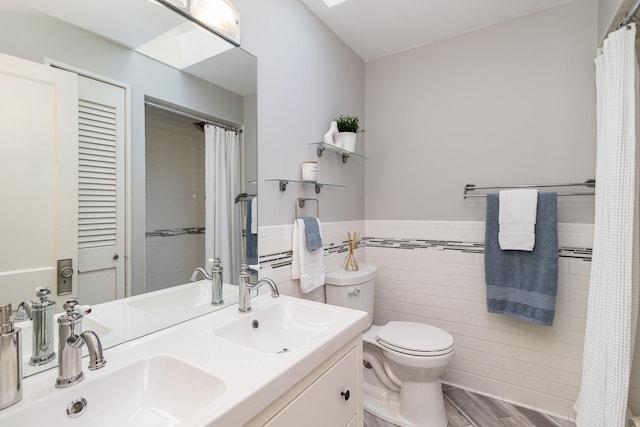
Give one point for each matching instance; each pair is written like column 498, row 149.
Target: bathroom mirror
column 162, row 111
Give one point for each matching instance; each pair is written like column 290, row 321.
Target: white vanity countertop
column 130, row 318
column 253, row 379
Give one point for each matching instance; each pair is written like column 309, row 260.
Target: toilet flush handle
column 354, row 293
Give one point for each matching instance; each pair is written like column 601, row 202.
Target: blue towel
column 251, row 239
column 312, row 232
column 523, row 284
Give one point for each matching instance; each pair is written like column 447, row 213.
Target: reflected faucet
column 215, row 277
column 70, row 342
column 41, row 315
column 244, row 287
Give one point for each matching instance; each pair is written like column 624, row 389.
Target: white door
column 101, row 205
column 38, row 176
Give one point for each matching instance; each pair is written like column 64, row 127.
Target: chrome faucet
column 41, row 315
column 215, row 277
column 70, row 342
column 244, row 287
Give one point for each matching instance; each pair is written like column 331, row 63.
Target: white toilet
column 403, row 361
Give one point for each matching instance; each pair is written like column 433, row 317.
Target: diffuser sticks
column 351, row 263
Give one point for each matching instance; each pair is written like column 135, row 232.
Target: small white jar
column 310, row 171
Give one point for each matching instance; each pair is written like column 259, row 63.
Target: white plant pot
column 348, row 140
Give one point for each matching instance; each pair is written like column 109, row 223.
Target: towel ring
column 301, row 203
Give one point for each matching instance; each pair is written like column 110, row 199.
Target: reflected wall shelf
column 321, row 146
column 284, row 182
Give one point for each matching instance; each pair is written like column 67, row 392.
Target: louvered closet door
column 101, row 202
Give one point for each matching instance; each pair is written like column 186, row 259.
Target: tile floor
column 467, row 409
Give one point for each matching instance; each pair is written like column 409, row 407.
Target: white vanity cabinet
column 330, row 396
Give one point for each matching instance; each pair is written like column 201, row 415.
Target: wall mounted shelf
column 321, row 146
column 284, row 182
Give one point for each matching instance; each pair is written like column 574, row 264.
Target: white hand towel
column 254, row 215
column 517, row 219
column 306, row 265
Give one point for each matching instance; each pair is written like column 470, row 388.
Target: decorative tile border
column 584, row 254
column 172, row 232
column 441, row 245
column 282, row 259
column 448, row 245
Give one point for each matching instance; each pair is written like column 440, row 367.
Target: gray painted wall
column 513, row 103
column 306, row 78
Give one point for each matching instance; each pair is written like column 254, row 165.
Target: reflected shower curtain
column 613, row 287
column 222, row 182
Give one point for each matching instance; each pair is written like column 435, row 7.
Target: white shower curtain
column 613, row 287
column 222, row 182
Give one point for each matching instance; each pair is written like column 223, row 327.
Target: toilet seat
column 415, row 339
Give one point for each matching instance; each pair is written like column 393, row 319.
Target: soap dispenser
column 41, row 315
column 10, row 360
column 216, row 282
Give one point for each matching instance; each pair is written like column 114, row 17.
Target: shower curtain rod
column 631, row 13
column 191, row 116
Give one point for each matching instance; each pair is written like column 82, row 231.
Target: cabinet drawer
column 324, row 403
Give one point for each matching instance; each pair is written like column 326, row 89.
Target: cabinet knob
column 346, row 395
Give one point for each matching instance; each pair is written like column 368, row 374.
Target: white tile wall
column 527, row 364
column 275, row 239
column 531, row 365
column 171, row 260
column 174, row 197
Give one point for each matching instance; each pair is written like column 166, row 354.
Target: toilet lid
column 414, row 338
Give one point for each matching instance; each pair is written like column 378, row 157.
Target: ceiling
column 219, row 64
column 376, row 28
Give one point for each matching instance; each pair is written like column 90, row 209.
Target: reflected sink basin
column 155, row 392
column 190, row 296
column 280, row 328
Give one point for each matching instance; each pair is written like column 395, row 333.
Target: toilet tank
column 353, row 289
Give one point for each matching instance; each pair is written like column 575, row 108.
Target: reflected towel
column 312, row 231
column 523, row 284
column 517, row 219
column 251, row 239
column 254, row 215
column 306, row 265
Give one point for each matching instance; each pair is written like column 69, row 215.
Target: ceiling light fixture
column 217, row 16
column 329, row 3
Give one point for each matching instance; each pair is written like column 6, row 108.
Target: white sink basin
column 280, row 328
column 156, row 392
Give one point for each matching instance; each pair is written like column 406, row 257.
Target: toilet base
column 385, row 410
column 385, row 404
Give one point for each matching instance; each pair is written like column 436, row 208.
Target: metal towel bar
column 591, row 183
column 301, row 203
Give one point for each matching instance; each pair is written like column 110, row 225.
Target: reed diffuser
column 352, row 263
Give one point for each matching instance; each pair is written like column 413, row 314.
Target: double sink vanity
column 171, row 357
column 287, row 362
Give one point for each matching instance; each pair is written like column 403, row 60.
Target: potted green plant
column 349, row 128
